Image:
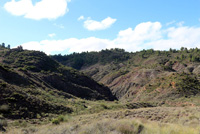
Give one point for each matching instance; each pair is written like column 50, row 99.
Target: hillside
column 158, row 92
column 32, row 85
column 148, row 75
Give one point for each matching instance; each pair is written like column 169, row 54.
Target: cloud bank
column 93, row 25
column 144, row 36
column 44, row 9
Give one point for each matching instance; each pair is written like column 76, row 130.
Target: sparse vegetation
column 129, row 77
column 99, row 125
column 158, row 92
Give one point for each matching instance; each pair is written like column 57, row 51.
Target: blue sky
column 66, row 26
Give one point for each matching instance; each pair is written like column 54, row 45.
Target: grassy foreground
column 110, row 126
column 155, row 120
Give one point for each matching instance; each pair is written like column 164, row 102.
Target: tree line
column 4, row 46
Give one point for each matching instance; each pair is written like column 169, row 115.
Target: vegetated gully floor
column 186, row 116
column 177, row 115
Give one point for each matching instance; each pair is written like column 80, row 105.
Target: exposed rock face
column 196, row 70
column 124, row 83
column 178, row 66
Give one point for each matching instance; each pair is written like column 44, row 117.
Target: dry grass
column 177, row 115
column 160, row 120
column 109, row 126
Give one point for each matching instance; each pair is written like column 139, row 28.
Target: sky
column 67, row 26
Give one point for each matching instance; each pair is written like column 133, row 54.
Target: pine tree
column 3, row 45
column 8, row 46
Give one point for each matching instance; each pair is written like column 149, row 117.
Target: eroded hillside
column 142, row 76
column 32, row 84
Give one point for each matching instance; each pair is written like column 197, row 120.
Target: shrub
column 4, row 108
column 60, row 118
column 38, row 116
column 126, row 129
column 104, row 106
column 20, row 123
column 56, row 121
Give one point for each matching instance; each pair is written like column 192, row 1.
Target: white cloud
column 52, row 35
column 81, row 18
column 178, row 37
column 59, row 25
column 44, row 9
column 143, row 36
column 73, row 44
column 180, row 24
column 133, row 40
column 170, row 23
column 93, row 25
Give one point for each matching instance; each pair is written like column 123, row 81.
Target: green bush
column 61, row 118
column 55, row 121
column 20, row 123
